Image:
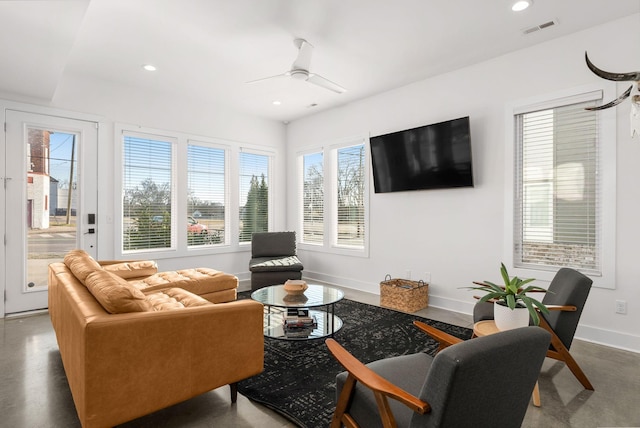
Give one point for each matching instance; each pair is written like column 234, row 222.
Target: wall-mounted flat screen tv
column 433, row 156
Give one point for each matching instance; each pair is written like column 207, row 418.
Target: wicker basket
column 403, row 294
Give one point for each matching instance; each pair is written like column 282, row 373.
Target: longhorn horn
column 613, row 103
column 616, row 77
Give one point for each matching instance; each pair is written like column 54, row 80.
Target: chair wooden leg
column 561, row 353
column 234, row 391
column 342, row 405
column 575, row 368
column 536, row 395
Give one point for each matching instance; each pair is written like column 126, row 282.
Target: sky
column 60, row 145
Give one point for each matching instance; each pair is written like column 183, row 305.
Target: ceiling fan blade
column 316, row 79
column 303, row 60
column 287, row 74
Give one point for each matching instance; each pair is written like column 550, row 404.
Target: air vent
column 540, row 27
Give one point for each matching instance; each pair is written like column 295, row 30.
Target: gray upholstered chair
column 273, row 259
column 565, row 300
column 482, row 382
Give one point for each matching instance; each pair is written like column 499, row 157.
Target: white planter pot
column 507, row 319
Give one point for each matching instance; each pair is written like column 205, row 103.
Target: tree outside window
column 147, row 198
column 254, row 186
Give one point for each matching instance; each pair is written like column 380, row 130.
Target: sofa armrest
column 141, row 362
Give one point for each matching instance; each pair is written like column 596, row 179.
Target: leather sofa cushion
column 277, row 264
column 115, row 294
column 81, row 264
column 135, row 269
column 174, row 298
column 200, row 281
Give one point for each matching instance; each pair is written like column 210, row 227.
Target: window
column 312, row 198
column 206, row 196
column 147, row 192
column 350, row 197
column 254, row 194
column 333, row 198
column 558, row 190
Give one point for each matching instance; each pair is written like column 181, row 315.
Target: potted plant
column 511, row 301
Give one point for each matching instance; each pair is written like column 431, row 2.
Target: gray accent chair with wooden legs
column 483, row 382
column 565, row 300
column 273, row 259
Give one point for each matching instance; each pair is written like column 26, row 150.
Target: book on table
column 299, row 318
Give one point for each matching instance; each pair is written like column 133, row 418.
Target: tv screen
column 434, row 156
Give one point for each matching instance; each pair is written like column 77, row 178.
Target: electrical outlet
column 408, row 275
column 427, row 277
column 621, row 307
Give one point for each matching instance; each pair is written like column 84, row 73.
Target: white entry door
column 51, row 200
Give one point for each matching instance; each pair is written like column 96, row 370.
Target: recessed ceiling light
column 276, row 103
column 149, row 67
column 521, row 5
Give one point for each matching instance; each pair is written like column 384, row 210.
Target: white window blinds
column 557, row 201
column 350, row 196
column 147, row 196
column 313, row 198
column 254, row 194
column 206, row 197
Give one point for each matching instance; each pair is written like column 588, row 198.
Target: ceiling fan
column 300, row 69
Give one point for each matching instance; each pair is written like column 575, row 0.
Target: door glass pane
column 51, row 201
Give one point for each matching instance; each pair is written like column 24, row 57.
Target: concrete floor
column 34, row 391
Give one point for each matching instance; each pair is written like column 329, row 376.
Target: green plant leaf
column 540, row 306
column 526, row 281
column 531, row 288
column 511, row 301
column 532, row 312
column 504, row 273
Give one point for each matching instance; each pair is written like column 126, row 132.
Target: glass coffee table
column 317, row 303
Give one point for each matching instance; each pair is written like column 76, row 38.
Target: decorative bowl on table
column 295, row 286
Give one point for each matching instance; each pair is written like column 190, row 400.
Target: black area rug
column 299, row 376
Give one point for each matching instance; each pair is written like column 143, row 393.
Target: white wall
column 110, row 104
column 457, row 235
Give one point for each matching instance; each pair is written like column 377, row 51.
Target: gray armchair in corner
column 273, row 259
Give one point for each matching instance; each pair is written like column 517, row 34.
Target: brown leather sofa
column 128, row 352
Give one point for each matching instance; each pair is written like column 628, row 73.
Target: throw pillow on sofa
column 115, row 294
column 81, row 264
column 137, row 269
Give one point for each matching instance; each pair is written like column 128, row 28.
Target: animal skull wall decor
column 635, row 88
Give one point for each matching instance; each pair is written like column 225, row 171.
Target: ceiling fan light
column 521, row 5
column 149, row 67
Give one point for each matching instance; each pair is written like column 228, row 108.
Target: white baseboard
column 614, row 339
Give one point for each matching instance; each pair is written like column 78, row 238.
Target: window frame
column 330, row 170
column 227, row 178
column 606, row 170
column 300, row 206
column 180, row 248
column 173, row 142
column 270, row 161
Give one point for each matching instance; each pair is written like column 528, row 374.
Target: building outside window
column 557, row 210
